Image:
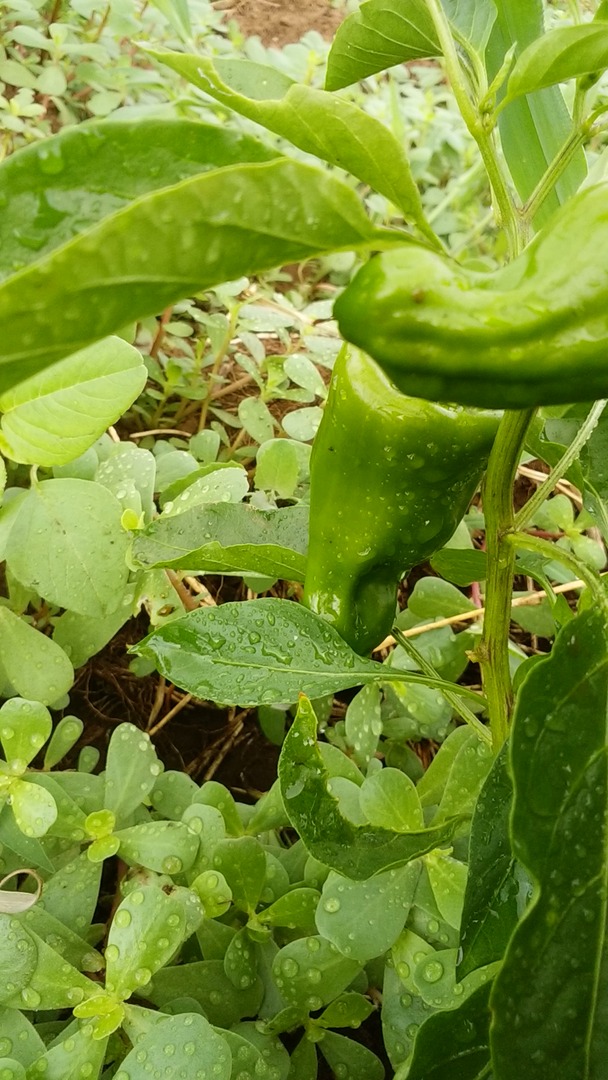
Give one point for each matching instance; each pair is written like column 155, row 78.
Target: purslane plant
column 483, row 886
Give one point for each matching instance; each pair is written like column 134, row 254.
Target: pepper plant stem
column 493, row 652
column 475, row 124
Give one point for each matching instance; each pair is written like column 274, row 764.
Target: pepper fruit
column 391, row 478
column 532, row 333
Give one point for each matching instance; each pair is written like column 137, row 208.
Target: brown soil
column 278, row 22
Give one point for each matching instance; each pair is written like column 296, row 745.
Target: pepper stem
column 493, row 654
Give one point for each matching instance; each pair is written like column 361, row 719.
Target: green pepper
column 532, row 333
column 391, row 478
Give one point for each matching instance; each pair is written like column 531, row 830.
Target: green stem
column 549, row 550
column 583, row 435
column 454, row 700
column 554, row 171
column 472, row 118
column 493, row 652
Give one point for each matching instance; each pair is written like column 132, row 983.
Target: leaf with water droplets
column 243, row 863
column 34, row 664
column 453, row 1045
column 18, row 1036
column 332, row 128
column 350, row 1060
column 364, row 918
column 184, row 1045
column 310, row 972
column 67, row 542
column 259, row 653
column 228, row 538
column 207, row 983
column 76, row 1056
column 147, row 929
column 358, row 851
column 549, row 1000
column 18, row 957
column 159, row 232
column 131, row 771
column 495, row 892
column 168, row 847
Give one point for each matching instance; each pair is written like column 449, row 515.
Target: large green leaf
column 261, row 653
column 183, row 1045
column 56, row 415
column 318, row 122
column 228, row 538
column 532, row 129
column 381, row 34
column 551, row 996
column 34, row 664
column 106, row 254
column 357, row 851
column 67, row 543
column 565, row 53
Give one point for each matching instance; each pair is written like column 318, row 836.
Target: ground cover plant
column 451, row 918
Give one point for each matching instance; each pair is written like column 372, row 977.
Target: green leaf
column 228, row 538
column 36, row 666
column 16, row 1029
column 242, row 862
column 532, row 129
column 357, row 851
column 34, row 808
column 256, row 418
column 18, row 957
column 454, row 1045
column 67, row 543
column 25, row 726
column 303, row 1061
column 460, row 566
column 389, row 798
column 363, row 724
column 181, row 1046
column 147, row 929
column 331, row 128
column 260, row 653
column 364, row 918
column 53, row 984
column 294, row 909
column 177, row 14
column 55, row 416
column 73, row 1057
column 66, row 734
column 311, row 971
column 348, row 1010
column 207, row 983
column 494, row 893
column 565, row 53
column 277, row 468
column 549, row 998
column 381, row 34
column 188, row 236
column 350, row 1059
column 167, row 847
column 131, row 770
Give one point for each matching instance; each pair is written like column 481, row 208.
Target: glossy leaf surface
column 549, row 1001
column 320, row 123
column 357, row 851
column 381, row 34
column 228, row 538
column 137, row 246
column 566, row 53
column 454, row 1045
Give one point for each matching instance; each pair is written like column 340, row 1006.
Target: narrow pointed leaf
column 131, row 251
column 316, row 121
column 357, row 851
column 550, row 999
column 228, row 538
